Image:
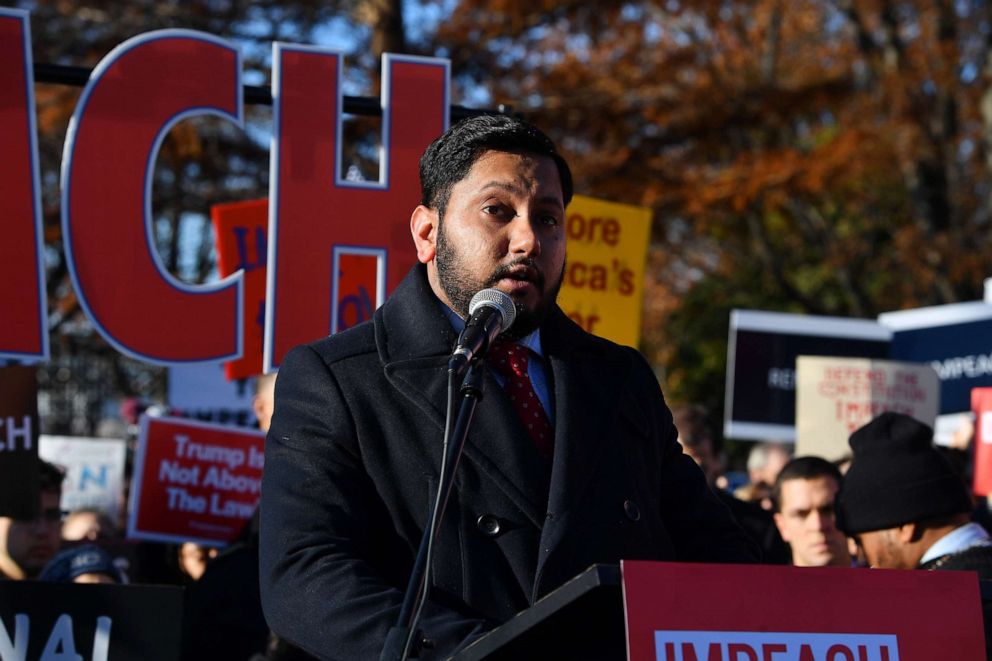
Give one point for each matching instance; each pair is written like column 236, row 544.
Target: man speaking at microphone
column 571, row 459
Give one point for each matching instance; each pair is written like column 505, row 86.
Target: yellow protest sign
column 604, row 276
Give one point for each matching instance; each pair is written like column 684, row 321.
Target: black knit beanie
column 896, row 477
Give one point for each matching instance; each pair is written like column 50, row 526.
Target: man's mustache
column 534, row 275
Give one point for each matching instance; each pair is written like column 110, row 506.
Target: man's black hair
column 50, row 476
column 449, row 158
column 803, row 468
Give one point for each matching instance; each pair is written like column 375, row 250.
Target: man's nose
column 822, row 520
column 523, row 238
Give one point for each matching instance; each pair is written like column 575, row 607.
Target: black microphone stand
column 404, row 637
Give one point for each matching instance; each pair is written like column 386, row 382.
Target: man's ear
column 423, row 227
column 778, row 524
column 908, row 533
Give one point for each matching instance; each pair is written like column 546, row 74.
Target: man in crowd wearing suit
column 905, row 505
column 803, row 498
column 571, row 459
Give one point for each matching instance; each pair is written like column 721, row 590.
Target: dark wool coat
column 352, row 459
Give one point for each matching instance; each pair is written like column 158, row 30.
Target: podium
column 677, row 612
column 582, row 619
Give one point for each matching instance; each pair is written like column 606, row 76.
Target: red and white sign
column 194, row 481
column 240, row 236
column 110, row 151
column 981, row 406
column 700, row 612
column 94, row 472
column 835, row 396
column 320, row 223
column 23, row 333
column 344, row 244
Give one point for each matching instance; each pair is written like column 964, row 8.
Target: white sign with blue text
column 94, row 472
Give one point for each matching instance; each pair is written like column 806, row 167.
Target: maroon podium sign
column 697, row 612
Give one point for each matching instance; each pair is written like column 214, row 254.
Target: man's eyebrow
column 551, row 199
column 517, row 189
column 508, row 186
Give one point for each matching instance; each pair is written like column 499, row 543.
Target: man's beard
column 459, row 286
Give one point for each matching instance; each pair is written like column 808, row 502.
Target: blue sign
column 956, row 340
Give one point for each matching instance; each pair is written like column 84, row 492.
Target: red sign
column 329, row 234
column 194, row 481
column 240, row 231
column 699, row 612
column 336, row 247
column 358, row 286
column 981, row 406
column 111, row 146
column 23, row 333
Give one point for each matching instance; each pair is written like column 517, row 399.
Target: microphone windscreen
column 496, row 299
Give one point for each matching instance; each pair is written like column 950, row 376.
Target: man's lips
column 518, row 277
column 513, row 286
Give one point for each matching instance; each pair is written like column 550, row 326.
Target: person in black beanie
column 905, row 505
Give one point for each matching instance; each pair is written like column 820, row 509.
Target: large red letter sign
column 336, row 245
column 134, row 96
column 22, row 294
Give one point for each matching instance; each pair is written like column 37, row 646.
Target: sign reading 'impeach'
column 773, row 646
column 701, row 612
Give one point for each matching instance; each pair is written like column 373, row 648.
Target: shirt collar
column 959, row 539
column 531, row 341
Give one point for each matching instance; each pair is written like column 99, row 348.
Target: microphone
column 490, row 312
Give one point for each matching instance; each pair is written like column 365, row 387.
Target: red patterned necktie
column 510, row 360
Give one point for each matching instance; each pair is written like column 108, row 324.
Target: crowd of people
column 575, row 458
column 898, row 501
column 886, row 504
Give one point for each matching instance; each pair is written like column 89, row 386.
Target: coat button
column 488, row 525
column 632, row 511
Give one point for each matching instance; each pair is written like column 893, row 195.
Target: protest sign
column 24, row 331
column 603, row 290
column 240, row 230
column 358, row 289
column 18, row 442
column 954, row 340
column 201, row 392
column 110, row 151
column 42, row 620
column 194, row 481
column 342, row 243
column 317, row 213
column 683, row 611
column 981, row 406
column 94, row 472
column 761, row 365
column 835, row 396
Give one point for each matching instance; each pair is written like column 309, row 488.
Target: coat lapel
column 588, row 398
column 414, row 339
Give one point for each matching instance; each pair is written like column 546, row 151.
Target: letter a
column 61, row 646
